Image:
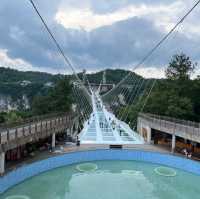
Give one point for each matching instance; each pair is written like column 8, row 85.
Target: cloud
column 87, row 19
column 96, row 34
column 19, row 64
column 151, row 72
column 13, row 63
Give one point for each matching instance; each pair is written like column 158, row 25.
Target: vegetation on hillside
column 58, row 99
column 177, row 96
column 113, row 76
column 43, row 100
column 55, row 100
column 12, row 76
column 11, row 84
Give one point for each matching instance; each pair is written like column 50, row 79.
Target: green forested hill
column 11, row 76
column 112, row 76
column 8, row 75
column 42, row 99
column 11, row 81
column 176, row 96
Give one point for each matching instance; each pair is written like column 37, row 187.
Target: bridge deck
column 104, row 128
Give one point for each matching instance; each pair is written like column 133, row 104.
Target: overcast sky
column 96, row 34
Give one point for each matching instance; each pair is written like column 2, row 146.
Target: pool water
column 110, row 180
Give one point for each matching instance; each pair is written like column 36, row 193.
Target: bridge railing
column 43, row 125
column 171, row 119
column 29, row 120
column 181, row 128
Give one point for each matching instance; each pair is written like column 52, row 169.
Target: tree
column 41, row 105
column 13, row 117
column 179, row 107
column 168, row 98
column 58, row 99
column 180, row 68
column 60, row 96
column 2, row 117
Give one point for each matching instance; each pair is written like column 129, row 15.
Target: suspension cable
column 131, row 95
column 141, row 96
column 60, row 50
column 127, row 93
column 84, row 103
column 157, row 45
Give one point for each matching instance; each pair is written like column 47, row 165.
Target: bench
column 116, row 146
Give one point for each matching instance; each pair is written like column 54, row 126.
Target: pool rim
column 30, row 170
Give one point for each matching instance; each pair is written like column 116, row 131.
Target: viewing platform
column 15, row 137
column 149, row 124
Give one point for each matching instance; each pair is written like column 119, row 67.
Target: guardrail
column 171, row 119
column 34, row 130
column 29, row 120
column 186, row 129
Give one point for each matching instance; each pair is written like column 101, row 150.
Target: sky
column 97, row 34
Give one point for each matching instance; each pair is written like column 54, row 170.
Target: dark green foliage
column 2, row 117
column 178, row 96
column 170, row 99
column 180, row 68
column 8, row 75
column 16, row 91
column 11, row 83
column 112, row 76
column 14, row 116
column 58, row 99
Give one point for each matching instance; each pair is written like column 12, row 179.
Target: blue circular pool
column 103, row 174
column 112, row 180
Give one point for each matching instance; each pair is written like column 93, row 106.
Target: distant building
column 49, row 84
column 25, row 83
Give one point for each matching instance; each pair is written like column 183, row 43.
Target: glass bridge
column 104, row 128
